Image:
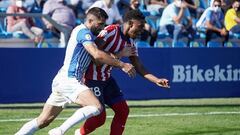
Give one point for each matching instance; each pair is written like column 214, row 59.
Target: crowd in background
column 178, row 20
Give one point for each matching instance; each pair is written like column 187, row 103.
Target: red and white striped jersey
column 115, row 42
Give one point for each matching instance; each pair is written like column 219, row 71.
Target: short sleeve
column 209, row 15
column 85, row 37
column 232, row 14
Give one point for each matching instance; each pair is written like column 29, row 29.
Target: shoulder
column 170, row 7
column 109, row 31
column 231, row 11
column 83, row 33
column 209, row 13
column 111, row 27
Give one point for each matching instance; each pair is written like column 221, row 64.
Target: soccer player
column 67, row 86
column 117, row 40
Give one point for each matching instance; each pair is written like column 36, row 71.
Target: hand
column 129, row 69
column 183, row 5
column 128, row 51
column 49, row 26
column 163, row 83
column 223, row 32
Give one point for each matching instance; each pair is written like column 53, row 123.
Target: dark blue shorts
column 107, row 92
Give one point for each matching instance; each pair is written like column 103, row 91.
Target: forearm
column 213, row 28
column 237, row 20
column 144, row 73
column 151, row 77
column 108, row 59
column 179, row 17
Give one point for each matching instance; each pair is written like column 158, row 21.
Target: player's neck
column 123, row 29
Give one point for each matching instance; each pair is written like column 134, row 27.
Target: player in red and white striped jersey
column 117, row 40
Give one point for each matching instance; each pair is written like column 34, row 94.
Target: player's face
column 97, row 25
column 136, row 28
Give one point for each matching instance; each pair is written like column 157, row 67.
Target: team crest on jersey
column 88, row 37
column 103, row 33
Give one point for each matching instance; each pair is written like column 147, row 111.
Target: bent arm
column 177, row 19
column 102, row 57
column 212, row 27
column 141, row 69
column 162, row 82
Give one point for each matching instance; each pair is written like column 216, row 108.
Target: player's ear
column 130, row 23
column 90, row 20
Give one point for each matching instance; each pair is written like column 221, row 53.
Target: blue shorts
column 107, row 92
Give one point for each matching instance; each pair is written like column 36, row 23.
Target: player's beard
column 96, row 30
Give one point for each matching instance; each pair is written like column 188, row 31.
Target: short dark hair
column 98, row 12
column 133, row 15
column 217, row 1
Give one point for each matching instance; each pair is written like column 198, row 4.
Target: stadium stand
column 18, row 39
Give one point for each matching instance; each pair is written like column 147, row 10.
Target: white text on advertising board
column 193, row 73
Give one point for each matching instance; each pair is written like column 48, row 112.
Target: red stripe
column 113, row 48
column 89, row 72
column 99, row 73
column 122, row 45
column 109, row 40
column 115, row 44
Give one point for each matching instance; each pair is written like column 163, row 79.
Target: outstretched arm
column 162, row 82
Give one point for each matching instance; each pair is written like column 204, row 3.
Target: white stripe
column 112, row 42
column 94, row 72
column 119, row 44
column 141, row 115
column 102, row 72
column 109, row 34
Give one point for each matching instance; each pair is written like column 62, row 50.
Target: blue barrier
column 26, row 74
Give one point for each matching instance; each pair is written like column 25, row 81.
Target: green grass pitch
column 154, row 117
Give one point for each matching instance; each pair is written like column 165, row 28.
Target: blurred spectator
column 148, row 30
column 177, row 21
column 212, row 20
column 87, row 3
column 23, row 24
column 225, row 4
column 232, row 18
column 156, row 6
column 29, row 4
column 134, row 4
column 40, row 3
column 194, row 8
column 63, row 15
column 111, row 9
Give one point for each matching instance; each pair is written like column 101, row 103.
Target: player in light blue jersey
column 67, row 86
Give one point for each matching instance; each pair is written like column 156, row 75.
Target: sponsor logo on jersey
column 88, row 37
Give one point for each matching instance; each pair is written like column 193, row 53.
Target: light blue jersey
column 77, row 59
column 172, row 11
column 215, row 18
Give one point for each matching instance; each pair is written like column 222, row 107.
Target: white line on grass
column 141, row 115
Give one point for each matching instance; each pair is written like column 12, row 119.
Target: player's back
column 77, row 59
